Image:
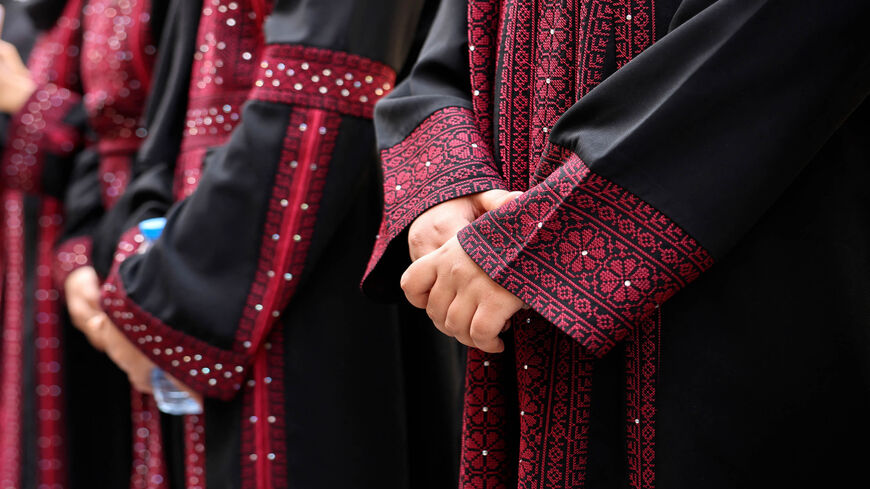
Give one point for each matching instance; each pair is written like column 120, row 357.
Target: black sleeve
column 234, row 253
column 667, row 164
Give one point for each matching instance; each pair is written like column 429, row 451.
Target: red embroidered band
column 603, row 259
column 323, row 79
column 443, row 158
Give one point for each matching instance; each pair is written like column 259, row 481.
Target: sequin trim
column 203, row 367
column 319, row 78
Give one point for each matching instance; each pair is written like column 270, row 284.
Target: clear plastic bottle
column 170, row 399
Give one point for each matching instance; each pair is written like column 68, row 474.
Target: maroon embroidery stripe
column 642, row 358
column 290, row 223
column 149, row 468
column 485, row 457
column 117, row 86
column 223, row 72
column 635, row 31
column 597, row 16
column 49, row 377
column 442, row 159
column 194, row 451
column 603, row 258
column 264, row 454
column 554, row 377
column 116, row 158
column 483, row 20
column 319, row 78
column 555, row 32
column 298, row 188
column 52, row 61
column 12, row 338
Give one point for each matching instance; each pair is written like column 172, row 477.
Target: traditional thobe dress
column 68, row 409
column 251, row 295
column 30, row 398
column 731, row 154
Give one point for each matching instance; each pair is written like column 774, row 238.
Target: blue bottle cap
column 152, row 228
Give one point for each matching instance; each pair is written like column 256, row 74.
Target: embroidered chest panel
column 532, row 60
column 116, row 65
column 228, row 47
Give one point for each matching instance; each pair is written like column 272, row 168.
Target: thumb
column 493, row 199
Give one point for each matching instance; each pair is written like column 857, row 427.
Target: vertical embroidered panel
column 13, row 310
column 290, row 221
column 194, row 451
column 116, row 75
column 149, row 468
column 483, row 24
column 49, row 394
column 642, row 357
column 485, row 457
column 229, row 43
column 635, row 31
column 554, row 378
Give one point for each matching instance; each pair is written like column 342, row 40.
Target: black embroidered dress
column 731, row 154
column 251, row 295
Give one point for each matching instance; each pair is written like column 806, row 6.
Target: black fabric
column 195, row 241
column 764, row 359
column 174, row 449
column 82, row 200
column 433, row 404
column 438, row 79
column 97, row 406
column 223, row 443
column 44, row 13
column 606, row 463
column 382, row 30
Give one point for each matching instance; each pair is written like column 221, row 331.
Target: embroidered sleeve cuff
column 71, row 255
column 37, row 130
column 586, row 254
column 445, row 157
column 209, row 370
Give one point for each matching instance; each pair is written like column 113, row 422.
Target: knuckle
column 478, row 335
column 416, row 238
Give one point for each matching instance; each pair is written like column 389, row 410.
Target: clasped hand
column 460, row 298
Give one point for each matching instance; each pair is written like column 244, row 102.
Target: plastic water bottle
column 170, row 399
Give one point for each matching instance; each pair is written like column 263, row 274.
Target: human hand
column 460, row 298
column 123, row 353
column 130, row 359
column 82, row 290
column 16, row 86
column 439, row 223
column 11, row 60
